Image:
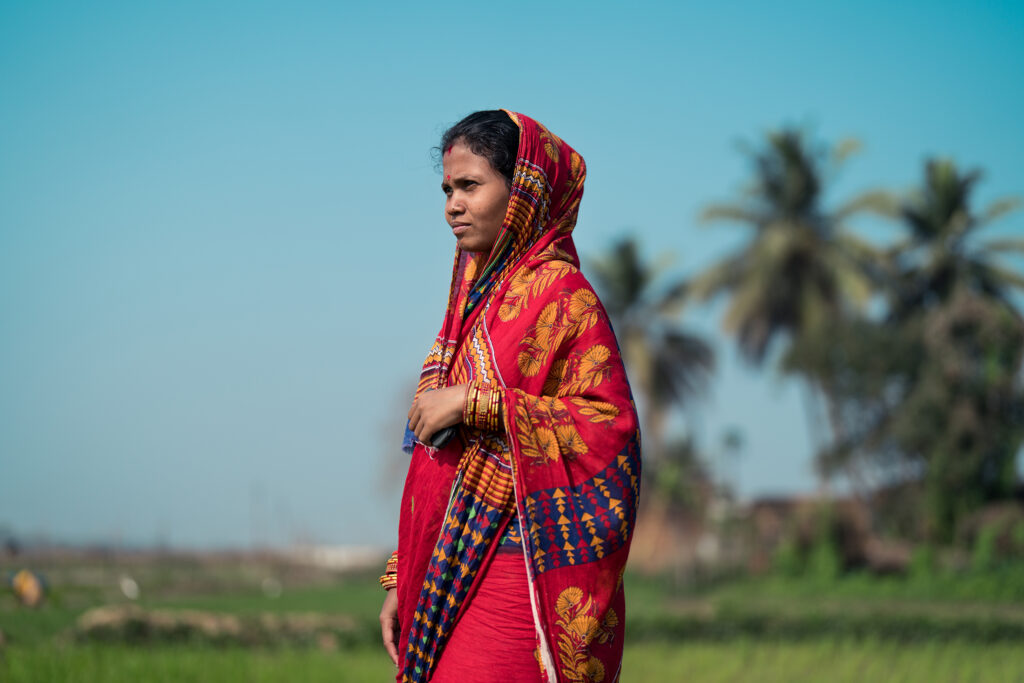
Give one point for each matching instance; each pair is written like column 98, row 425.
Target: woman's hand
column 389, row 625
column 434, row 410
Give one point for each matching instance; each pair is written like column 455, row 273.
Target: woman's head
column 490, row 134
column 533, row 216
column 478, row 156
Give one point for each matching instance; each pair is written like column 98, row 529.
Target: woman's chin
column 472, row 245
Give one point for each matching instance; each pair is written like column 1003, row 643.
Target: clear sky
column 222, row 250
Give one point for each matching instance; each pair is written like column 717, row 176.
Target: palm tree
column 803, row 269
column 942, row 256
column 961, row 414
column 667, row 366
column 931, row 393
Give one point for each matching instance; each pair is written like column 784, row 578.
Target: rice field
column 764, row 630
column 743, row 660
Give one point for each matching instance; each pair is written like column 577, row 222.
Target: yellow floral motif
column 570, row 440
column 518, row 288
column 547, row 442
column 597, row 411
column 555, row 253
column 583, row 310
column 575, row 161
column 567, row 600
column 549, row 324
column 536, row 348
column 581, row 627
column 593, row 359
column 530, row 283
column 591, row 369
column 556, row 321
column 540, row 443
column 550, row 409
column 555, row 376
column 530, row 361
column 568, row 221
column 551, row 142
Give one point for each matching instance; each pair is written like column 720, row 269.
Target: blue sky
column 222, row 251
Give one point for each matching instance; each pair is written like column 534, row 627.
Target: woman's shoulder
column 543, row 283
column 537, row 284
column 556, row 264
column 546, row 279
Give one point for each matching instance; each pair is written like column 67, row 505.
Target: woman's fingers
column 389, row 625
column 414, row 415
column 424, row 430
column 434, row 410
column 390, row 634
column 422, row 423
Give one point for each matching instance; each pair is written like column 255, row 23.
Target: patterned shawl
column 523, row 320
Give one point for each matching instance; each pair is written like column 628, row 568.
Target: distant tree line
column 910, row 351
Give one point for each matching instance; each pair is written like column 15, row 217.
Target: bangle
column 390, row 577
column 469, row 410
column 483, row 407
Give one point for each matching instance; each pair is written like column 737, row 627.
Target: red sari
column 524, row 322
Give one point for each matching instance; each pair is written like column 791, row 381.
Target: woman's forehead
column 459, row 159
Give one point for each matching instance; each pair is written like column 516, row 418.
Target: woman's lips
column 460, row 228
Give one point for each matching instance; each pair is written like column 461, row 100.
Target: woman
column 513, row 536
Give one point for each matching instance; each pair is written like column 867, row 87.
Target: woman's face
column 477, row 197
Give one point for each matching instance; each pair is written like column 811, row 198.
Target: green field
column 955, row 628
column 743, row 660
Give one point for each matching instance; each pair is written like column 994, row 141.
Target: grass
column 182, row 664
column 832, row 660
column 941, row 628
column 353, row 595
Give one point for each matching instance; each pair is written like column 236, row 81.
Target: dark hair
column 492, row 134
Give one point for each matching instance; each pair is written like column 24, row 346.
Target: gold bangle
column 485, row 416
column 467, row 409
column 492, row 407
column 494, row 410
column 390, row 577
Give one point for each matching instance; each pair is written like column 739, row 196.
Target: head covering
column 531, row 225
column 524, row 321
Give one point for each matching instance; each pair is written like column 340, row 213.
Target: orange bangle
column 483, row 408
column 469, row 409
column 390, row 577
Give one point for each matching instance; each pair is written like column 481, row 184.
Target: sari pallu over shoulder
column 525, row 322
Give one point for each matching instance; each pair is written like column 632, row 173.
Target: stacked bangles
column 483, row 408
column 390, row 578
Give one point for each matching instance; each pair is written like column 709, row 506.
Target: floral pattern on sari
column 580, row 626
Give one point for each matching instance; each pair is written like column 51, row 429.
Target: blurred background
column 223, row 258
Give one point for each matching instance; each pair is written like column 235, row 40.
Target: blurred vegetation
column 910, row 346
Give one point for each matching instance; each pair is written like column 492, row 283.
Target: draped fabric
column 496, row 637
column 524, row 321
